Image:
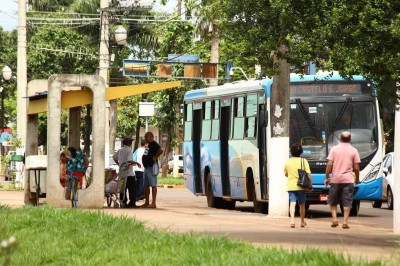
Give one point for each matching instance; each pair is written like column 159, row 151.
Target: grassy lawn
column 49, row 236
column 168, row 180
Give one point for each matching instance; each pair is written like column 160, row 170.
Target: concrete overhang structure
column 71, row 92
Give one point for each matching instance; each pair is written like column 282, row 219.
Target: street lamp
column 7, row 73
column 231, row 72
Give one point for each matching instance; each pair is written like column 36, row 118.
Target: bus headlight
column 372, row 174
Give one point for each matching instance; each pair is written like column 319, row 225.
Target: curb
column 171, row 186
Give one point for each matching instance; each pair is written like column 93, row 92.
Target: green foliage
column 128, row 115
column 42, row 64
column 165, row 180
column 8, row 55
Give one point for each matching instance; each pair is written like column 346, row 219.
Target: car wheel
column 390, row 198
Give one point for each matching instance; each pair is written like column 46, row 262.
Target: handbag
column 156, row 169
column 303, row 180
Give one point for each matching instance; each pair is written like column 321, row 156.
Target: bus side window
column 251, row 114
column 206, row 123
column 215, row 121
column 238, row 119
column 188, row 121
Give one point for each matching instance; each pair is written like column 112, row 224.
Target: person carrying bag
column 297, row 168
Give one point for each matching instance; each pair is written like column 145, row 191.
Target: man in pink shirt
column 343, row 160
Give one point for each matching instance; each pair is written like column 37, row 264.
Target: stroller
column 115, row 185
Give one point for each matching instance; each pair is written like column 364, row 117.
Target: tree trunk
column 164, row 164
column 179, row 8
column 214, row 58
column 280, row 97
column 113, row 125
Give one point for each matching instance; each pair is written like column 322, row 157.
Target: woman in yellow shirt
column 296, row 193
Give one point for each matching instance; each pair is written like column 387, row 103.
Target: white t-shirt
column 137, row 157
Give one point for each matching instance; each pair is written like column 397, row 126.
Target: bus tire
column 229, row 205
column 212, row 202
column 390, row 199
column 259, row 207
column 376, row 203
column 355, row 208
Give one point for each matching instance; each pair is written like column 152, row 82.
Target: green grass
column 167, row 180
column 49, row 236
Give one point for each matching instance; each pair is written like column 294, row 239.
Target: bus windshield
column 317, row 126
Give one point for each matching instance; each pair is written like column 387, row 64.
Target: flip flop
column 335, row 224
column 292, row 226
column 304, row 224
column 345, row 226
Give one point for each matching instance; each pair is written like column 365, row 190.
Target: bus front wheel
column 377, row 204
column 355, row 208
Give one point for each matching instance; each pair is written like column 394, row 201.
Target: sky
column 9, row 12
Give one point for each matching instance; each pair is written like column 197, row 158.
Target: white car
column 172, row 161
column 388, row 178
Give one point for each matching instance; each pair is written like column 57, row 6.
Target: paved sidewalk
column 359, row 242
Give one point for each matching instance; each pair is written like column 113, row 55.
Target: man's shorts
column 297, row 195
column 341, row 193
column 149, row 180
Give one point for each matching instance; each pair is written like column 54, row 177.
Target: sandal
column 303, row 224
column 335, row 224
column 345, row 226
column 292, row 226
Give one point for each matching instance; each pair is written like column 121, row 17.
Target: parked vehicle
column 172, row 161
column 386, row 170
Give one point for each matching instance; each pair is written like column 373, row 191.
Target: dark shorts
column 297, row 195
column 341, row 193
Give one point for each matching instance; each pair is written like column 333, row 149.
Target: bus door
column 224, row 137
column 262, row 147
column 197, row 115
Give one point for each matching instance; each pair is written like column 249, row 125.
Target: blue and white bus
column 226, row 130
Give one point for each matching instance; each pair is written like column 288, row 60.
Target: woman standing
column 296, row 193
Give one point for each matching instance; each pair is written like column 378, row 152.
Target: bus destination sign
column 337, row 89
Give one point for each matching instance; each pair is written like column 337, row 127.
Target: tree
column 8, row 55
column 174, row 37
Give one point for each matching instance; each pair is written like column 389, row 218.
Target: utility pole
column 179, row 8
column 278, row 145
column 104, row 65
column 22, row 119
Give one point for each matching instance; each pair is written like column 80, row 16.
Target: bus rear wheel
column 212, row 202
column 259, row 207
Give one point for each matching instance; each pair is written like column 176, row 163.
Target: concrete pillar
column 92, row 197
column 74, row 126
column 396, row 173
